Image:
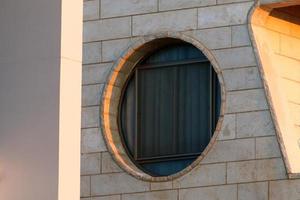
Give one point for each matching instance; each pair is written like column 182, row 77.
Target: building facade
column 254, row 48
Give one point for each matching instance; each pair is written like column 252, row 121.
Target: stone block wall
column 245, row 163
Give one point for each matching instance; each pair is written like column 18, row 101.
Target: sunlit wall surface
column 277, row 36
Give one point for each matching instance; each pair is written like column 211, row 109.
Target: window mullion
column 137, row 120
column 175, row 112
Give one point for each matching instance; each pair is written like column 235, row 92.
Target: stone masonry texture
column 245, row 162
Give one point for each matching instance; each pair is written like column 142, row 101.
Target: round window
column 169, row 109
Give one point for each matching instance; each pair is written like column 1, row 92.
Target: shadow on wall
column 277, row 37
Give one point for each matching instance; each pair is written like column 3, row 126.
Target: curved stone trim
column 286, row 135
column 112, row 93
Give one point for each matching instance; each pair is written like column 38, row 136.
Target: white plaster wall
column 30, row 65
column 29, row 79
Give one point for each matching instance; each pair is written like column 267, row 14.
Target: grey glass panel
column 169, row 111
column 128, row 116
column 166, row 167
column 174, row 110
column 156, row 111
column 175, row 52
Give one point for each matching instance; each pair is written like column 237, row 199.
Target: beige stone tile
column 243, row 78
column 253, row 191
column 240, row 35
column 267, row 147
column 225, row 192
column 85, row 186
column 228, row 128
column 159, row 195
column 90, row 117
column 235, row 57
column 287, row 43
column 255, row 170
column 272, row 36
column 117, row 183
column 91, row 10
column 229, row 1
column 253, row 124
column 269, row 1
column 91, row 94
column 161, row 185
column 126, row 7
column 285, row 190
column 178, row 4
column 90, row 164
column 202, row 175
column 223, row 15
column 106, row 29
column 93, row 74
column 92, row 141
column 291, row 67
column 290, row 87
column 231, row 150
column 112, row 49
column 113, row 197
column 108, row 164
column 167, row 21
column 246, row 100
column 91, row 53
column 214, row 38
column 295, row 110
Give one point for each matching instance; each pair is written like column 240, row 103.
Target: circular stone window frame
column 111, row 98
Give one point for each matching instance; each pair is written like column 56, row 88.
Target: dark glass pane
column 192, row 125
column 166, row 168
column 156, row 110
column 175, row 52
column 169, row 113
column 174, row 110
column 128, row 116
